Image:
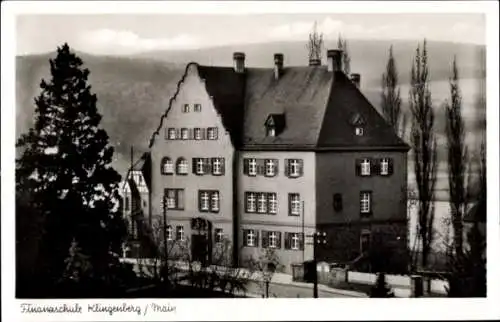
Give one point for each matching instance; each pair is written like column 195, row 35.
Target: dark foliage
column 64, row 181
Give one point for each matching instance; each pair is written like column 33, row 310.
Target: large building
column 265, row 158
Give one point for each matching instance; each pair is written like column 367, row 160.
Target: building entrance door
column 201, row 241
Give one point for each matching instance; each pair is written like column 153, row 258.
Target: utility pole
column 165, row 252
column 318, row 239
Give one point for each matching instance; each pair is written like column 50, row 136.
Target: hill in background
column 134, row 91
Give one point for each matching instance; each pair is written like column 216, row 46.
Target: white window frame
column 273, row 202
column 365, row 167
column 214, row 201
column 294, row 167
column 384, row 167
column 185, row 108
column 251, row 202
column 181, row 233
column 273, row 239
column 251, row 238
column 365, row 203
column 217, row 166
column 262, row 203
column 270, row 167
column 252, row 167
column 170, row 233
column 211, row 133
column 359, row 131
column 197, row 107
column 168, row 166
column 197, row 133
column 182, row 166
column 295, row 241
column 204, row 201
column 184, row 133
column 219, row 235
column 295, row 204
column 200, row 166
column 172, row 134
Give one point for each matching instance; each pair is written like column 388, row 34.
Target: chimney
column 239, row 62
column 356, row 79
column 334, row 59
column 278, row 65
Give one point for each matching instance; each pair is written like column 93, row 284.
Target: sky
column 124, row 34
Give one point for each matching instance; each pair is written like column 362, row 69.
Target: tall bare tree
column 391, row 97
column 315, row 44
column 457, row 159
column 346, row 58
column 424, row 148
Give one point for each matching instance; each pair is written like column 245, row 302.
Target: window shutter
column 166, row 133
column 261, row 167
column 391, row 166
column 193, row 165
column 276, row 167
column 245, row 166
column 374, row 167
column 212, row 161
column 287, row 241
column 287, row 167
column 222, row 166
column 177, row 134
column 199, row 200
column 289, row 204
column 207, row 166
column 301, row 241
column 216, row 133
column 265, row 239
column 358, row 167
column 301, row 167
column 203, row 133
column 180, row 198
column 190, row 134
column 278, row 242
column 245, row 235
column 257, row 239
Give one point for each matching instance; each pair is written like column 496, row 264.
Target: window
column 386, row 167
column 359, row 131
column 170, row 233
column 273, row 239
column 219, row 235
column 174, row 198
column 197, row 133
column 167, row 167
column 197, row 107
column 180, row 233
column 337, row 202
column 204, row 201
column 251, row 202
column 365, row 202
column 271, row 167
column 273, row 202
column 294, row 204
column 209, row 201
column 250, row 238
column 294, row 241
column 200, row 166
column 365, row 167
column 251, row 167
column 212, row 133
column 184, row 134
column 172, row 134
column 271, row 131
column 364, row 241
column 182, row 166
column 185, row 108
column 262, row 203
column 218, row 166
column 294, row 168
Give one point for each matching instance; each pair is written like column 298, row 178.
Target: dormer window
column 358, row 122
column 359, row 131
column 275, row 124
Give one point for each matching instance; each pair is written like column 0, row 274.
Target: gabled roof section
column 143, row 165
column 348, row 108
column 301, row 93
column 227, row 90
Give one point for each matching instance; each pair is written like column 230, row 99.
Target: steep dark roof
column 143, row 165
column 227, row 91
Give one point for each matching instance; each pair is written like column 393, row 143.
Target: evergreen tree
column 391, row 98
column 457, row 159
column 424, row 148
column 346, row 58
column 64, row 168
